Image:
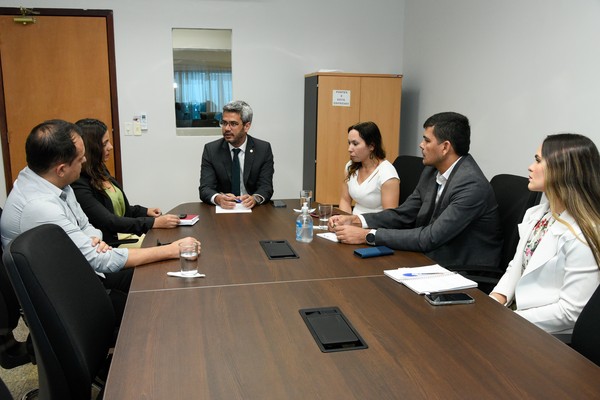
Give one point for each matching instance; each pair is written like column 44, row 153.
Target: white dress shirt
column 34, row 201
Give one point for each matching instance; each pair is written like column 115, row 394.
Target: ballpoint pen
column 423, row 273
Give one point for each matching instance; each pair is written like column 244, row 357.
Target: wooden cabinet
column 333, row 102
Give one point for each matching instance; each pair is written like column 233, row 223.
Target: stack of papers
column 190, row 219
column 430, row 279
column 239, row 208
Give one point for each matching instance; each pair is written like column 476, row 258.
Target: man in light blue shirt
column 34, row 201
column 41, row 195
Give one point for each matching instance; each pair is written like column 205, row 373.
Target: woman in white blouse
column 555, row 268
column 371, row 181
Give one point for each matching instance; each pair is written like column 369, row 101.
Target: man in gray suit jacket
column 452, row 214
column 254, row 170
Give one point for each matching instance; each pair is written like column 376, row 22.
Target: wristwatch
column 371, row 237
column 258, row 199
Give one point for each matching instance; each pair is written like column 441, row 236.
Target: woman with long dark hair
column 102, row 198
column 371, row 182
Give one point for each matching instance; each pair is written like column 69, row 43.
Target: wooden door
column 57, row 68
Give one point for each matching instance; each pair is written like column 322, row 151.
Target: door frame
column 112, row 69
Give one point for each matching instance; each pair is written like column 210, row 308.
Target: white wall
column 275, row 43
column 520, row 70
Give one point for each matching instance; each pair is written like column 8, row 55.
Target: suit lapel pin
column 251, row 150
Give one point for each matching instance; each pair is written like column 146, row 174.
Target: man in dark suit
column 237, row 168
column 451, row 216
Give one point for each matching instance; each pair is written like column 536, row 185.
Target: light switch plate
column 144, row 121
column 137, row 128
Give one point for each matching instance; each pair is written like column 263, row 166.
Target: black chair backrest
column 12, row 352
column 9, row 305
column 68, row 311
column 586, row 332
column 513, row 198
column 4, row 392
column 409, row 170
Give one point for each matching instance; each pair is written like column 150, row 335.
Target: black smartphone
column 279, row 204
column 442, row 299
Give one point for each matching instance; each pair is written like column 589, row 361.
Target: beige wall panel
column 380, row 103
column 332, row 135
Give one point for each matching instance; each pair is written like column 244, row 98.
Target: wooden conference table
column 238, row 334
column 231, row 253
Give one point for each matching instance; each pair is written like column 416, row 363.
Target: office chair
column 513, row 198
column 4, row 392
column 12, row 352
column 586, row 332
column 409, row 170
column 69, row 314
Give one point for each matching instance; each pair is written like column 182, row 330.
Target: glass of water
column 188, row 258
column 325, row 212
column 305, row 196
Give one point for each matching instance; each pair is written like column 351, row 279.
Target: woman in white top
column 555, row 269
column 371, row 181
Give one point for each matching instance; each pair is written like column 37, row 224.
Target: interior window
column 202, row 79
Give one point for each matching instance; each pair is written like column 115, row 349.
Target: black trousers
column 117, row 285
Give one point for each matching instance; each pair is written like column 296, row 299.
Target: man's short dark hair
column 51, row 143
column 453, row 127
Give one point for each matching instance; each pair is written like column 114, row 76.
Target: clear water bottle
column 304, row 226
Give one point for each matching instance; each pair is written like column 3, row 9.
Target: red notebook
column 190, row 219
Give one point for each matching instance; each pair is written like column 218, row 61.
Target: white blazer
column 560, row 278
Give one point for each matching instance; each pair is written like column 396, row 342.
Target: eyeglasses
column 232, row 124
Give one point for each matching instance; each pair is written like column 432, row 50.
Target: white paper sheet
column 329, row 236
column 239, row 208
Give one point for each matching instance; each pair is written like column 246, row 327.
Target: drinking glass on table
column 305, row 196
column 188, row 258
column 325, row 212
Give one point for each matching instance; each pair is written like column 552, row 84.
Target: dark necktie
column 235, row 172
